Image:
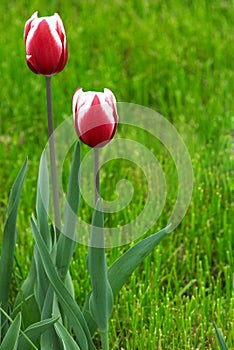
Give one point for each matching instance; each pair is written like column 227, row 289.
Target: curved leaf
column 25, row 300
column 42, row 201
column 101, row 299
column 123, row 267
column 219, row 336
column 10, row 341
column 34, row 332
column 49, row 339
column 9, row 239
column 74, row 315
column 67, row 241
column 67, row 340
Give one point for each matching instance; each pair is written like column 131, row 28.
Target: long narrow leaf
column 42, row 205
column 9, row 238
column 34, row 332
column 67, row 340
column 72, row 310
column 10, row 341
column 50, row 339
column 25, row 300
column 16, row 188
column 123, row 267
column 42, row 201
column 101, row 299
column 221, row 341
column 67, row 241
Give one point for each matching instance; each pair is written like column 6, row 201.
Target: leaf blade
column 124, row 266
column 67, row 340
column 10, row 341
column 73, row 312
column 147, row 245
column 101, row 299
column 9, row 238
column 67, row 240
column 219, row 336
column 34, row 331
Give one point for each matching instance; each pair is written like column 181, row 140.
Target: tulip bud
column 46, row 44
column 95, row 116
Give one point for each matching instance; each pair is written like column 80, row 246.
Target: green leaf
column 67, row 240
column 34, row 332
column 67, row 340
column 42, row 204
column 42, row 282
column 101, row 299
column 123, row 267
column 42, row 201
column 69, row 284
column 10, row 341
column 16, row 189
column 25, row 300
column 74, row 315
column 9, row 238
column 221, row 341
column 50, row 339
column 88, row 315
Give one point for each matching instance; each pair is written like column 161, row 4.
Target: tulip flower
column 46, row 44
column 95, row 116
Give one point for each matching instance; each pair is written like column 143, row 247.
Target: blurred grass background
column 177, row 58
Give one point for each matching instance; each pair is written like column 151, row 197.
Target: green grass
column 173, row 56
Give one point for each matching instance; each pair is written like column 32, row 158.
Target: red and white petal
column 75, row 101
column 112, row 100
column 95, row 116
column 44, row 45
column 28, row 25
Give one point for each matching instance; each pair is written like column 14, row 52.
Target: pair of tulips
column 94, row 113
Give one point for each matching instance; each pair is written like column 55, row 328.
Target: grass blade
column 74, row 315
column 10, row 341
column 221, row 341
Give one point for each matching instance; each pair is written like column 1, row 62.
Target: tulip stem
column 96, row 176
column 57, row 217
column 105, row 340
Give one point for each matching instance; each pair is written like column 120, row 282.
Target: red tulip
column 95, row 116
column 46, row 44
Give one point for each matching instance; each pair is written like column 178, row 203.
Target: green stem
column 57, row 217
column 105, row 340
column 96, row 176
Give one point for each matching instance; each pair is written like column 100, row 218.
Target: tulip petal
column 28, row 25
column 30, row 64
column 44, row 46
column 112, row 100
column 95, row 116
column 62, row 34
